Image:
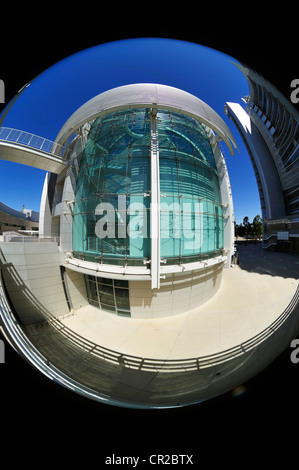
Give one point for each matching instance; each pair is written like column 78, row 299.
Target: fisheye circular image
column 152, row 259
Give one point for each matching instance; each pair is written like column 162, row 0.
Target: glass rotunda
column 115, row 298
column 114, row 177
column 149, row 209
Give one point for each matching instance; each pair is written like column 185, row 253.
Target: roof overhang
column 147, row 95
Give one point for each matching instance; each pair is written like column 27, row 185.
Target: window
column 191, row 215
column 111, row 221
column 111, row 295
column 112, row 199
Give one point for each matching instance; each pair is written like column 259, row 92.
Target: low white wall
column 31, row 273
column 178, row 293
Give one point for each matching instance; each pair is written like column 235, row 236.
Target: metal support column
column 155, row 204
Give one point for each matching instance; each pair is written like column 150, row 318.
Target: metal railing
column 142, row 363
column 175, row 365
column 29, row 239
column 24, row 346
column 269, row 240
column 33, row 141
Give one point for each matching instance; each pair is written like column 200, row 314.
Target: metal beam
column 155, row 204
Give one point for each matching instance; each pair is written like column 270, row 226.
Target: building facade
column 269, row 127
column 22, row 222
column 137, row 230
column 136, row 219
column 144, row 209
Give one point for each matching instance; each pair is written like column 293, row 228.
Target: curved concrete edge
column 16, row 338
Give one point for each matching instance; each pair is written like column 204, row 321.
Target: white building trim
column 155, row 205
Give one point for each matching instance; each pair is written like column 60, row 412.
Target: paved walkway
column 252, row 295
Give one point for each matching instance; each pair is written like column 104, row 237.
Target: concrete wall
column 66, row 218
column 76, row 289
column 178, row 293
column 47, row 225
column 31, row 272
column 227, row 202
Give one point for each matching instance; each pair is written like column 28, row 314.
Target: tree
column 246, row 225
column 257, row 226
column 246, row 229
column 239, row 230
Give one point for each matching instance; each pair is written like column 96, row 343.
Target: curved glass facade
column 112, row 199
column 191, row 211
column 113, row 192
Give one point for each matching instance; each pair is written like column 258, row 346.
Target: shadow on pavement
column 254, row 258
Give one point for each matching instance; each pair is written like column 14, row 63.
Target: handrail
column 267, row 242
column 268, row 245
column 176, row 365
column 33, row 355
column 28, row 239
column 27, row 139
column 269, row 236
column 163, row 365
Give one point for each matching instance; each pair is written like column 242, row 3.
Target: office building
column 269, row 126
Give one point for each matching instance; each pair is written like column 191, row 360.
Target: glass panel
column 106, row 294
column 114, row 169
column 109, row 308
column 112, row 195
column 122, row 298
column 170, row 223
column 123, row 312
column 190, row 225
column 93, row 291
column 121, row 283
column 104, row 280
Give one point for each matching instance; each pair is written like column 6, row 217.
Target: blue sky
column 57, row 92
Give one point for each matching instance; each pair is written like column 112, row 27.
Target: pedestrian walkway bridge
column 23, row 147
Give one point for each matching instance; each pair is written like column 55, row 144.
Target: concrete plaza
column 253, row 294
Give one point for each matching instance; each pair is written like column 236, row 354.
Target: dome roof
column 144, row 95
